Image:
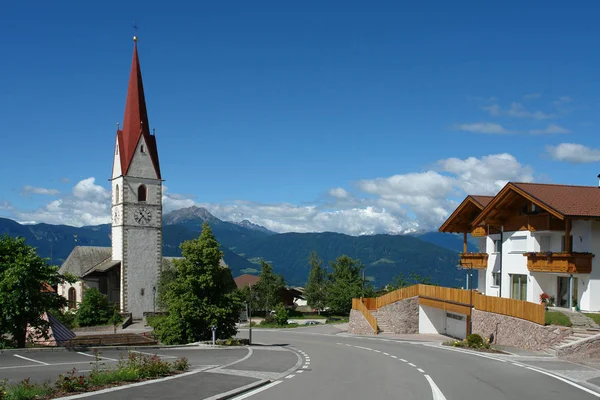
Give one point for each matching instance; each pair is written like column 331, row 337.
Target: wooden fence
column 357, row 304
column 514, row 308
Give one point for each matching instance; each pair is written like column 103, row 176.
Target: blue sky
column 307, row 117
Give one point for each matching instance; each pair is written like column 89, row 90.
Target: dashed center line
column 402, row 359
column 386, row 354
column 412, row 365
column 420, row 370
column 393, row 356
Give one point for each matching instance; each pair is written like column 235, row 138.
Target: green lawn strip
column 137, row 367
column 557, row 318
column 275, row 326
column 595, row 317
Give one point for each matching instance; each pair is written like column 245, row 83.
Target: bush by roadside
column 136, row 367
column 475, row 342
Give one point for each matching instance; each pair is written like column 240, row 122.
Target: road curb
column 240, row 390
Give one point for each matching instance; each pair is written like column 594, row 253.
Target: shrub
column 70, row 382
column 181, row 364
column 25, row 390
column 269, row 320
column 94, row 309
column 475, row 340
column 67, row 317
column 281, row 315
column 145, row 366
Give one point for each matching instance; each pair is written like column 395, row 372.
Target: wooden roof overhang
column 460, row 220
column 502, row 206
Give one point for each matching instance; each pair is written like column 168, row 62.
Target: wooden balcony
column 570, row 263
column 476, row 260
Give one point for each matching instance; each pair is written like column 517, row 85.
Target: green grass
column 26, row 391
column 103, row 378
column 595, row 317
column 274, row 326
column 342, row 320
column 557, row 318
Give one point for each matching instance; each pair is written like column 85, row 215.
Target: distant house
column 292, row 297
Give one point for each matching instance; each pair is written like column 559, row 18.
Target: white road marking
column 566, row 381
column 38, row 366
column 386, row 354
column 437, row 393
column 420, row 370
column 349, row 345
column 304, row 366
column 412, row 365
column 307, row 362
column 30, row 359
column 151, row 354
column 260, row 389
column 403, row 360
column 464, row 352
column 341, row 344
column 364, row 348
column 376, row 351
column 393, row 356
column 93, row 356
column 290, row 376
column 299, row 372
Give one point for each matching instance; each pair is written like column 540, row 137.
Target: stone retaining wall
column 358, row 324
column 511, row 331
column 402, row 317
column 581, row 349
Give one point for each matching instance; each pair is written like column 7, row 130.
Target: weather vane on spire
column 135, row 28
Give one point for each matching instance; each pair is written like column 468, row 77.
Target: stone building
column 127, row 272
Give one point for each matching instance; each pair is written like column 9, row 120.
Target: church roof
column 84, row 258
column 135, row 121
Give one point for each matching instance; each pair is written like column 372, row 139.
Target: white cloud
column 550, row 129
column 561, row 101
column 65, row 180
column 532, row 96
column 516, row 110
column 399, row 203
column 339, row 193
column 482, row 127
column 29, row 190
column 573, row 153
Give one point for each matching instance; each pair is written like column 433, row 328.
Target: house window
column 72, row 302
column 142, row 148
column 142, row 193
column 117, row 194
column 518, row 287
column 496, row 278
column 497, row 246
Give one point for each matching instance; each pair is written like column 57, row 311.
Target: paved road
column 323, row 363
column 362, row 368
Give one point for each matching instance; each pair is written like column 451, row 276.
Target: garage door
column 456, row 325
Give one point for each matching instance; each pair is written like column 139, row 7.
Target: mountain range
column 245, row 244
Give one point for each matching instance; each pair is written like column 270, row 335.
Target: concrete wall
column 358, row 325
column 432, row 320
column 510, row 331
column 402, row 316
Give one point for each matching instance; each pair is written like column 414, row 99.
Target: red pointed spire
column 135, row 122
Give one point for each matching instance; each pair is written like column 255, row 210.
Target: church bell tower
column 136, row 202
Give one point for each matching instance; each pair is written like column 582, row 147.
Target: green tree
column 115, row 319
column 269, row 289
column 200, row 295
column 344, row 283
column 316, row 285
column 281, row 315
column 413, row 279
column 95, row 309
column 25, row 294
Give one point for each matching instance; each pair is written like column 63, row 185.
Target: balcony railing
column 571, row 263
column 476, row 260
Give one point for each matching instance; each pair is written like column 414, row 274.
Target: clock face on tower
column 142, row 215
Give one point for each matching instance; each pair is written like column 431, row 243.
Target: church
column 128, row 271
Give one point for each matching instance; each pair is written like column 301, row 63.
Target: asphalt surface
column 323, row 363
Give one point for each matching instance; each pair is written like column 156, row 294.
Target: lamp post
column 250, row 316
column 461, row 265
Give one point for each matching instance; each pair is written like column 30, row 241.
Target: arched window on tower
column 72, row 297
column 117, row 196
column 142, row 193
